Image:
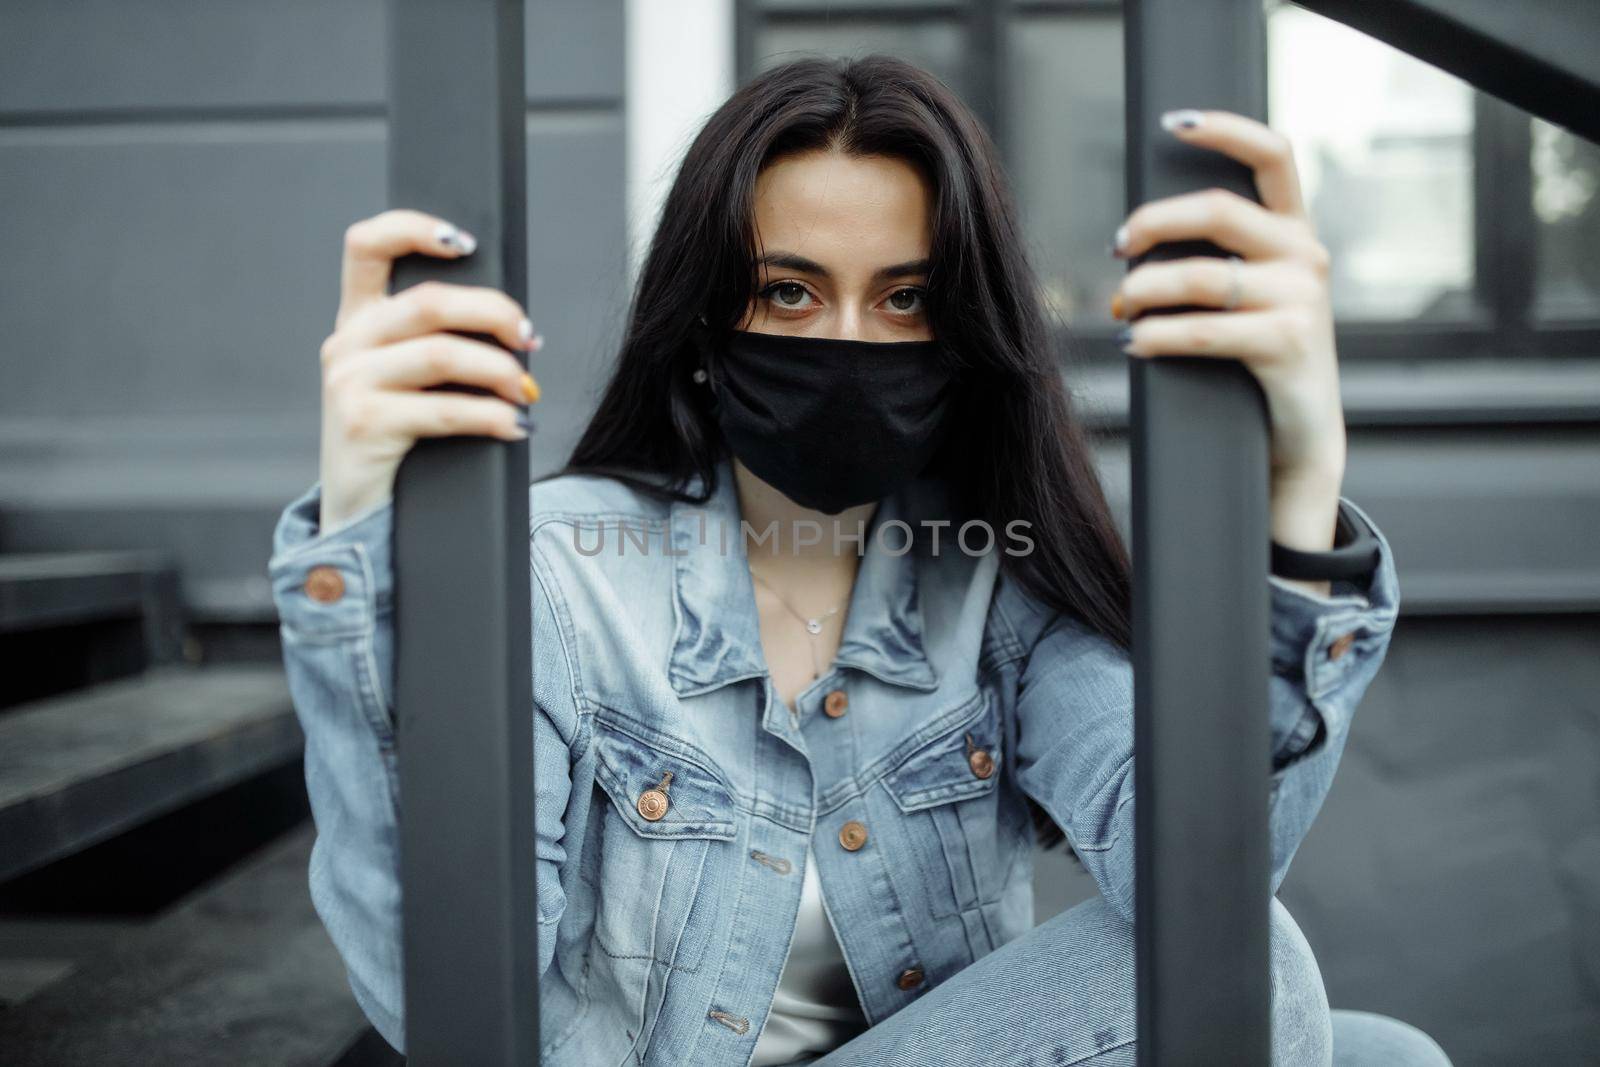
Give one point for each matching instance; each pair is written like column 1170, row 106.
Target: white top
column 815, row 1009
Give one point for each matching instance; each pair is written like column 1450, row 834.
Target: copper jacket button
column 324, row 584
column 652, row 804
column 852, row 835
column 909, row 978
column 1341, row 645
column 982, row 763
column 834, row 703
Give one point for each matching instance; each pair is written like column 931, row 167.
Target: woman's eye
column 906, row 299
column 792, row 293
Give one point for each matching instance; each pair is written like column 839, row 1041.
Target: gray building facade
column 177, row 176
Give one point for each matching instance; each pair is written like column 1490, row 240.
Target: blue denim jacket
column 952, row 696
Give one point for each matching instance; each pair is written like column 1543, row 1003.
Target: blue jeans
column 1063, row 994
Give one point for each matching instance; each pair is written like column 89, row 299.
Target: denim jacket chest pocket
column 648, row 857
column 957, row 842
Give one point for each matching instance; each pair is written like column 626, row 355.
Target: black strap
column 1353, row 557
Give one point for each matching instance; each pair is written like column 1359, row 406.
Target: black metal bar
column 457, row 148
column 1505, row 230
column 1540, row 55
column 1200, row 535
column 747, row 25
column 986, row 60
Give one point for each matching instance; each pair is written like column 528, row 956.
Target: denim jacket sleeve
column 338, row 654
column 1074, row 708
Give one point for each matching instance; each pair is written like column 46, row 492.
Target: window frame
column 1502, row 325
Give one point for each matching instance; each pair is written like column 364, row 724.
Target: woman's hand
column 1281, row 325
column 384, row 351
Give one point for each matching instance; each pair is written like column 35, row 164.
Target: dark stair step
column 79, row 768
column 239, row 972
column 39, row 589
column 78, row 618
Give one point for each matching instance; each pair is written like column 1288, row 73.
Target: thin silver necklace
column 812, row 623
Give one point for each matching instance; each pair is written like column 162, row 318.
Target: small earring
column 699, row 375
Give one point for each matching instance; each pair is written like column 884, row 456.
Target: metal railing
column 1199, row 446
column 1198, row 435
column 463, row 624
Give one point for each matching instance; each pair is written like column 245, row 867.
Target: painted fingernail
column 524, row 423
column 530, row 389
column 1184, row 118
column 525, row 333
column 537, row 342
column 457, row 239
column 1124, row 338
column 1119, row 241
column 1116, row 305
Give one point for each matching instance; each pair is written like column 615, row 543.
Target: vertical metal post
column 1201, row 606
column 464, row 698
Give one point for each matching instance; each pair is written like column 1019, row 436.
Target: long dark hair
column 1015, row 450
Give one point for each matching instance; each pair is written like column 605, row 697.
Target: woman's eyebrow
column 794, row 261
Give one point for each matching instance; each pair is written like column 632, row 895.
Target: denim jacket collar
column 718, row 638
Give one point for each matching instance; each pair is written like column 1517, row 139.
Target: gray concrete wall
column 178, row 177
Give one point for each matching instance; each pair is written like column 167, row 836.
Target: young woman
column 831, row 619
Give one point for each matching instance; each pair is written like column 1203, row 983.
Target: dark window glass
column 935, row 44
column 1066, row 150
column 1566, row 210
column 1383, row 145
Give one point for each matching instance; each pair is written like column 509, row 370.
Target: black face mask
column 830, row 423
